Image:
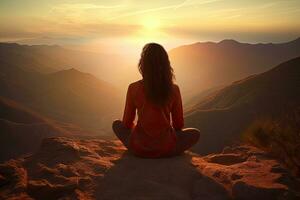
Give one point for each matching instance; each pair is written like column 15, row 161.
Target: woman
column 155, row 97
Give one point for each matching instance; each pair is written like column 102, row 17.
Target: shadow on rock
column 166, row 178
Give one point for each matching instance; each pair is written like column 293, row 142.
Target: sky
column 126, row 25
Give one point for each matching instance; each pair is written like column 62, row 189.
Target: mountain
column 81, row 97
column 22, row 129
column 64, row 103
column 34, row 58
column 53, row 58
column 67, row 96
column 225, row 115
column 64, row 168
column 206, row 65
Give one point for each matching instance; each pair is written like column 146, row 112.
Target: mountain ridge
column 273, row 94
column 211, row 64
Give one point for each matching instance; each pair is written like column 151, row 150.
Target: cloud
column 105, row 29
column 81, row 12
column 69, row 33
column 168, row 7
column 83, row 6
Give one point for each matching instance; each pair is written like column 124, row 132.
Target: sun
column 151, row 30
column 151, row 24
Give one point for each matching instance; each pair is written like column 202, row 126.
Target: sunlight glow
column 75, row 23
column 151, row 24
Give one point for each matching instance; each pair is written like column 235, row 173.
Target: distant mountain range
column 65, row 102
column 68, row 95
column 206, row 65
column 52, row 58
column 198, row 67
column 224, row 115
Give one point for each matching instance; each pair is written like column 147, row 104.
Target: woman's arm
column 129, row 111
column 177, row 111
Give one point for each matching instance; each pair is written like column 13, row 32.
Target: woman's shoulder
column 135, row 84
column 175, row 87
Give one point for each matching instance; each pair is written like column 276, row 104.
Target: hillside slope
column 22, row 129
column 68, row 96
column 223, row 116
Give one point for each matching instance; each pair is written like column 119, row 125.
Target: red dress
column 153, row 135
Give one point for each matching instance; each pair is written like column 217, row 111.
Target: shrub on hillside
column 280, row 137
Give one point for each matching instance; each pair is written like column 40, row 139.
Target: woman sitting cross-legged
column 157, row 100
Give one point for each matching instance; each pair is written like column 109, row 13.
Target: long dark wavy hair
column 155, row 67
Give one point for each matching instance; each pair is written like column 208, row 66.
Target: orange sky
column 125, row 25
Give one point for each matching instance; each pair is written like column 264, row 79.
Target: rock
column 248, row 150
column 13, row 174
column 278, row 169
column 83, row 181
column 67, row 171
column 245, row 191
column 206, row 188
column 42, row 189
column 3, row 181
column 253, row 158
column 66, row 168
column 249, row 174
column 217, row 173
column 226, row 159
column 59, row 150
column 46, row 171
column 236, row 176
column 227, row 150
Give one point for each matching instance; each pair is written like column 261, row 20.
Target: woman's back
column 153, row 135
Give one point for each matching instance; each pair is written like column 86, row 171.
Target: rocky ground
column 97, row 169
